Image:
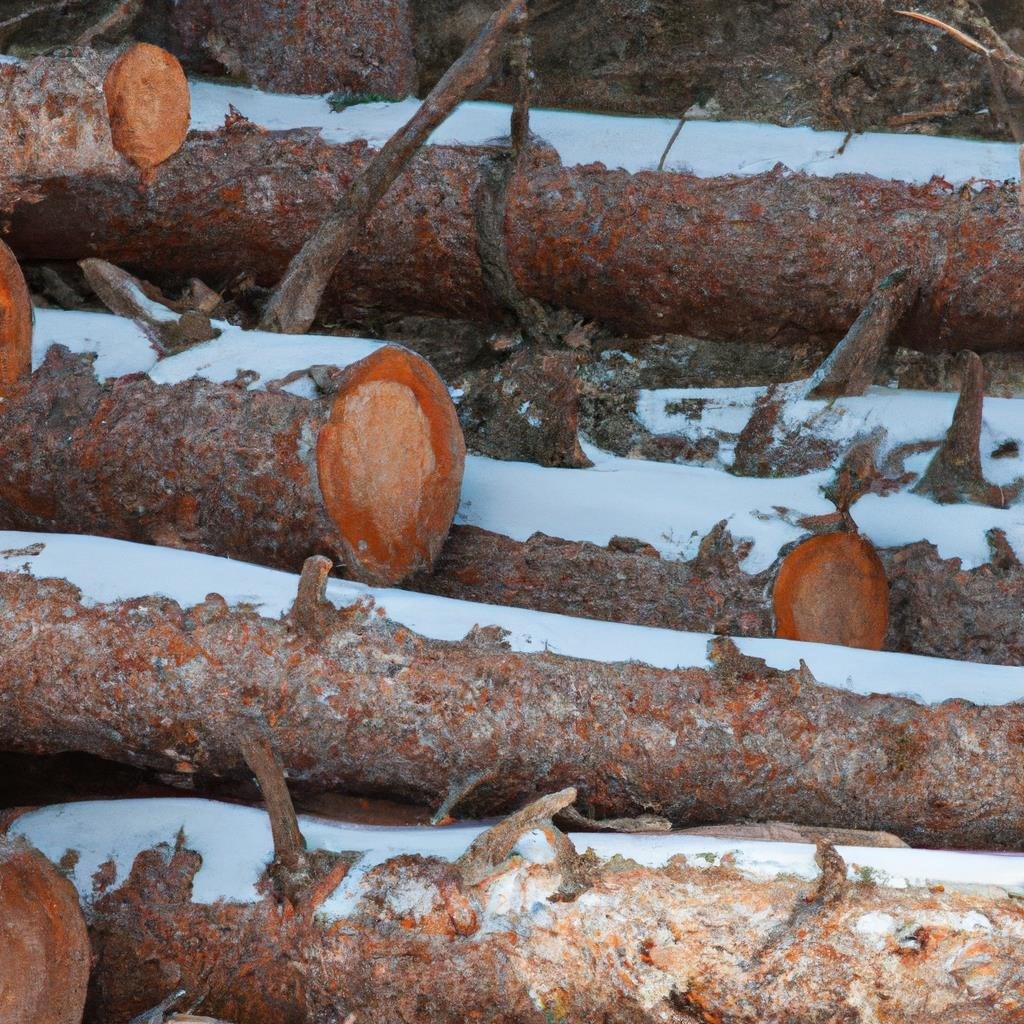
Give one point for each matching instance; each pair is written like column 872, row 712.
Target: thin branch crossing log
column 367, row 705
column 714, row 257
column 293, row 306
column 369, row 477
column 526, row 928
column 92, row 114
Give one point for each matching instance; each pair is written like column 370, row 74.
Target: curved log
column 775, row 255
column 369, row 477
column 355, row 701
column 44, row 968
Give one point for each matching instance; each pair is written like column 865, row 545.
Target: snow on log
column 15, row 321
column 44, row 967
column 368, row 475
column 832, row 589
column 90, row 114
column 424, row 693
column 789, row 256
column 521, row 922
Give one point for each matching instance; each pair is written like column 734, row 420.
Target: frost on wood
column 535, row 925
column 44, row 948
column 369, row 706
column 369, row 475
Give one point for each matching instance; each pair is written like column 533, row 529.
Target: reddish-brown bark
column 305, row 46
column 725, row 257
column 369, row 477
column 44, row 947
column 358, row 703
column 15, row 321
column 497, row 938
column 832, row 589
column 90, row 113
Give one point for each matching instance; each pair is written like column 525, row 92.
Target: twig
column 265, row 763
column 519, row 61
column 642, row 823
column 158, row 1013
column 120, row 17
column 850, row 367
column 458, row 792
column 492, row 848
column 11, row 25
column 671, row 143
column 294, row 304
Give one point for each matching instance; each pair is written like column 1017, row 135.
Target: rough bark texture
column 726, row 257
column 849, row 64
column 303, row 46
column 266, row 477
column 575, row 939
column 83, row 114
column 368, row 706
column 44, row 947
column 936, row 607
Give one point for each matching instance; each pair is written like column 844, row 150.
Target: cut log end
column 832, row 589
column 148, row 105
column 44, row 967
column 390, row 462
column 15, row 321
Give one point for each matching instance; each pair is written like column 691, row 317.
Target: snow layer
column 906, row 417
column 706, row 148
column 108, row 570
column 236, row 845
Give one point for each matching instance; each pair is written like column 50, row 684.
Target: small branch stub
column 832, row 589
column 148, row 104
column 15, row 321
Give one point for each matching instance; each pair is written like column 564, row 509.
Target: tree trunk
column 356, row 701
column 789, row 257
column 370, row 477
column 523, row 928
column 90, row 114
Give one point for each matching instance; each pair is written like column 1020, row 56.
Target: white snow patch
column 110, row 570
column 706, row 148
column 120, row 346
column 236, row 845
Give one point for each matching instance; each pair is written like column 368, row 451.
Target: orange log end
column 44, row 945
column 390, row 461
column 15, row 321
column 148, row 105
column 832, row 589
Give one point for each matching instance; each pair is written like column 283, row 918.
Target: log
column 790, row 257
column 353, row 700
column 15, row 321
column 369, row 477
column 90, row 113
column 44, row 969
column 832, row 589
column 516, row 927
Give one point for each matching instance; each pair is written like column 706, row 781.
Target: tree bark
column 741, row 258
column 355, row 701
column 90, row 114
column 370, row 477
column 507, row 938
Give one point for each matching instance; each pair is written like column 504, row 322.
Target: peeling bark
column 371, row 707
column 731, row 258
column 369, row 476
column 428, row 939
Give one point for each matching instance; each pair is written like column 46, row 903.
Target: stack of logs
column 361, row 476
